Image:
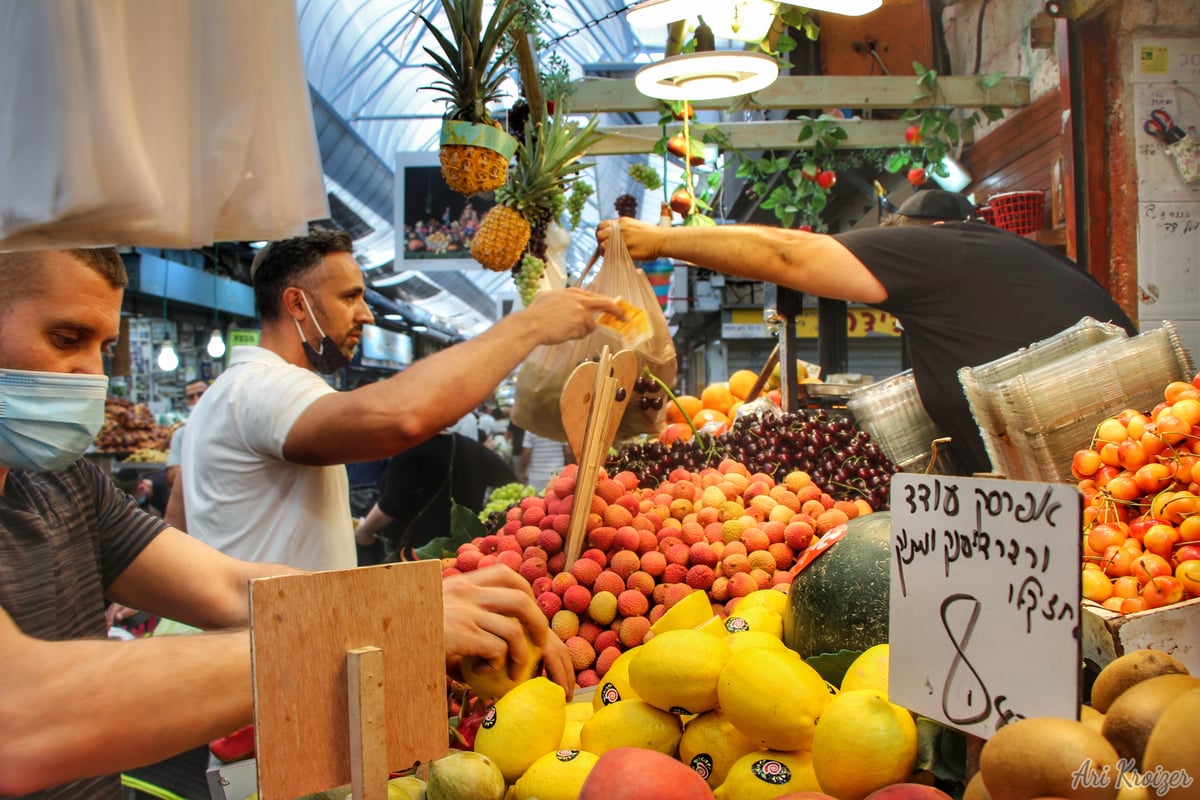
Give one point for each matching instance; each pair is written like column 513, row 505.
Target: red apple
column 1085, row 463
column 805, row 228
column 912, row 134
column 1188, row 574
column 827, row 179
column 686, row 111
column 916, row 176
column 1162, row 591
column 1189, row 552
column 1148, row 566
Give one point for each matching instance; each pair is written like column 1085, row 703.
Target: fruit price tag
column 985, row 593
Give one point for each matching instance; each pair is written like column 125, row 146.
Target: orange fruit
column 691, row 406
column 675, row 430
column 707, row 415
column 741, row 382
column 718, row 397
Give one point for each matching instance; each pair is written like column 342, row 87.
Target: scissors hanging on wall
column 1162, row 127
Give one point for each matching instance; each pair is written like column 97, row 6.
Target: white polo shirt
column 241, row 496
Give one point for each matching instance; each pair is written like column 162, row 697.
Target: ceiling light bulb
column 216, row 344
column 707, row 75
column 847, row 8
column 168, row 359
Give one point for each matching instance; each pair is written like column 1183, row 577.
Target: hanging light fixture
column 707, row 74
column 847, row 8
column 216, row 344
column 743, row 20
column 657, row 13
column 168, row 359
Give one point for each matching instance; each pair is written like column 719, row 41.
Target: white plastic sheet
column 139, row 122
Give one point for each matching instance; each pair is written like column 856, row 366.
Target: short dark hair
column 280, row 264
column 21, row 277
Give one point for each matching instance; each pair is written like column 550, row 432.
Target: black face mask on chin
column 329, row 358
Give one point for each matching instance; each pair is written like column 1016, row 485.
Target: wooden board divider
column 594, row 450
column 349, row 675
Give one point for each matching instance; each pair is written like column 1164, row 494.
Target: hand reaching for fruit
column 489, row 613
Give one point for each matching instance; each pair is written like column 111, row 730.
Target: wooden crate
column 1174, row 630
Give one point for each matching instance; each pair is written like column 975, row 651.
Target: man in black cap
column 965, row 292
column 931, row 206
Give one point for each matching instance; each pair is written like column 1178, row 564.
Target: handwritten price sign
column 984, row 600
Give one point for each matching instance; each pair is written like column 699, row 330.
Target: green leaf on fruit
column 832, row 666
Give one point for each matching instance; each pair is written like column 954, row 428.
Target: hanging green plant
column 794, row 186
column 937, row 130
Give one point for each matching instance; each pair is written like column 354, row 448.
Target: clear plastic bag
column 542, row 376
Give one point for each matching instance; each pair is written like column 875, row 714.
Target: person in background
column 467, row 425
column 541, row 460
column 68, row 728
column 139, row 487
column 421, row 484
column 192, row 393
column 965, row 292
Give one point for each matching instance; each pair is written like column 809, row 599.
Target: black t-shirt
column 968, row 293
column 418, row 477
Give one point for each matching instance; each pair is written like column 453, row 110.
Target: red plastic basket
column 1019, row 212
column 987, row 214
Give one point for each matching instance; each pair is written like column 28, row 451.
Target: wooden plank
column 1023, row 131
column 812, row 91
column 301, row 628
column 780, row 135
column 368, row 729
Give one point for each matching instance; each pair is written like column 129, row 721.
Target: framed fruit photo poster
column 434, row 224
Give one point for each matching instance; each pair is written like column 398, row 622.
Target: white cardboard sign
column 985, row 588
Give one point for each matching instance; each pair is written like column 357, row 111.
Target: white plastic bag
column 139, row 122
column 542, row 376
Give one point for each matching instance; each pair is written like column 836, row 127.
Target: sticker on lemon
column 862, row 744
column 756, row 618
column 773, row 697
column 524, row 725
column 631, row 723
column 556, row 776
column 869, row 671
column 614, row 686
column 767, row 774
column 678, row 670
column 711, row 744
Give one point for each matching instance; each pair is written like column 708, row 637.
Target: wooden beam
column 781, row 135
column 1083, row 9
column 816, row 92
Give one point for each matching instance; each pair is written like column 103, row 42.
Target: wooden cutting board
column 579, row 391
column 302, row 631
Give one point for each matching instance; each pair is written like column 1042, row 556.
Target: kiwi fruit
column 1091, row 717
column 1129, row 669
column 1135, row 712
column 1043, row 756
column 1173, row 747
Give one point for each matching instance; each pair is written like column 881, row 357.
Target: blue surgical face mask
column 48, row 419
column 329, row 359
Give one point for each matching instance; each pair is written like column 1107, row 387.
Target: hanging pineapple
column 475, row 150
column 547, row 162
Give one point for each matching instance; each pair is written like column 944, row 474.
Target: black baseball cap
column 938, row 204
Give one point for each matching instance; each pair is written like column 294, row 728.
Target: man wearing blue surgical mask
column 69, row 538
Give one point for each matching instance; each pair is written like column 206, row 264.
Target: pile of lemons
column 739, row 708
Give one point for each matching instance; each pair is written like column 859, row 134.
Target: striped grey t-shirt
column 64, row 537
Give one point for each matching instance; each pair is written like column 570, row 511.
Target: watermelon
column 840, row 600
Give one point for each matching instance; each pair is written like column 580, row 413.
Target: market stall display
column 130, row 427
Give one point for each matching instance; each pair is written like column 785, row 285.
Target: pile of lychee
column 722, row 530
